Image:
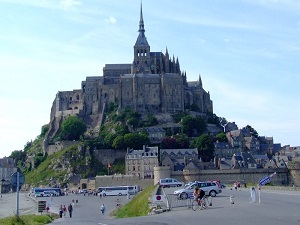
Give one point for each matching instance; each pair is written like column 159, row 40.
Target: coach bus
column 118, row 190
column 39, row 192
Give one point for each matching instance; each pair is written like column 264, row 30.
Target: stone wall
column 282, row 176
column 60, row 145
column 115, row 180
column 106, row 156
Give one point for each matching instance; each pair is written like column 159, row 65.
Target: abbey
column 153, row 83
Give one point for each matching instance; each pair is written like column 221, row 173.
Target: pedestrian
column 64, row 210
column 252, row 195
column 70, row 209
column 102, row 208
column 235, row 185
column 128, row 195
column 60, row 211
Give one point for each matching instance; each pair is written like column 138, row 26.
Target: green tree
column 187, row 123
column 221, row 137
column 45, row 129
column 108, row 140
column 251, row 130
column 199, row 125
column 192, row 124
column 151, row 121
column 134, row 122
column 136, row 140
column 118, row 143
column 205, row 146
column 72, row 128
column 18, row 156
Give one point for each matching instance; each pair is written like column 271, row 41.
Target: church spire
column 199, row 81
column 141, row 28
column 141, row 40
column 142, row 59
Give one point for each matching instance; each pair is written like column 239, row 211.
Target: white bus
column 118, row 190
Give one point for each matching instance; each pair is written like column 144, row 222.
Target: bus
column 39, row 192
column 118, row 190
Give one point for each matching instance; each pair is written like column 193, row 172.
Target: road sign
column 41, row 206
column 13, row 179
column 158, row 199
column 264, row 180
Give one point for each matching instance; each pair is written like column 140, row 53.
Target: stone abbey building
column 153, row 83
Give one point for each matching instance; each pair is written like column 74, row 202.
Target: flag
column 108, row 165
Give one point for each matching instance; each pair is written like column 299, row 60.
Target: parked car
column 209, row 187
column 170, row 182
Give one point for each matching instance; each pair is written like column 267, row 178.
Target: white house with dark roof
column 141, row 162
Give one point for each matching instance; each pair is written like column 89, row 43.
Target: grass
column 28, row 219
column 138, row 206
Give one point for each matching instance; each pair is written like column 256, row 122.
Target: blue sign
column 264, row 180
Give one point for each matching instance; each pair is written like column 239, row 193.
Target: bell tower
column 142, row 60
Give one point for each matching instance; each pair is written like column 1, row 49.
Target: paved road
column 8, row 204
column 276, row 208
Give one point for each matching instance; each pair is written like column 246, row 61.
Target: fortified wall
column 59, row 145
column 282, row 176
column 115, row 180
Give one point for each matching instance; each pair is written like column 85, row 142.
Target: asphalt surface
column 275, row 208
column 8, row 204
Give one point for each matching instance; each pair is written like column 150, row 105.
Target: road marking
column 102, row 223
column 282, row 193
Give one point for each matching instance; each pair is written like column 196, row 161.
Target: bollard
column 210, row 201
column 231, row 200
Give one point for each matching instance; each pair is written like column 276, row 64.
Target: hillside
column 119, row 131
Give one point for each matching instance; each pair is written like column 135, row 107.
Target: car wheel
column 213, row 193
column 104, row 195
column 120, row 194
column 183, row 196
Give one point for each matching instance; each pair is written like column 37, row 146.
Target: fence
column 175, row 201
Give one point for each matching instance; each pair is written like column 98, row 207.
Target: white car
column 210, row 188
column 169, row 182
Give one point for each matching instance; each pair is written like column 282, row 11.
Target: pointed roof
column 141, row 40
column 200, row 81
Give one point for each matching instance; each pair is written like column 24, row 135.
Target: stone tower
column 141, row 62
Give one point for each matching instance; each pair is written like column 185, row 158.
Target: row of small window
column 139, row 168
column 138, row 162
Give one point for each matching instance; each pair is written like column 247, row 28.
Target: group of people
column 63, row 210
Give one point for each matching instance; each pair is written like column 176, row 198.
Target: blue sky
column 246, row 52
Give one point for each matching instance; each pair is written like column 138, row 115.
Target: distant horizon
column 245, row 52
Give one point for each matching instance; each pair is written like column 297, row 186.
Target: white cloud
column 111, row 19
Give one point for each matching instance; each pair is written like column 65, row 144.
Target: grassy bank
column 28, row 219
column 138, row 206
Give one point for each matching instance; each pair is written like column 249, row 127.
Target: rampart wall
column 60, row 145
column 282, row 176
column 106, row 156
column 113, row 180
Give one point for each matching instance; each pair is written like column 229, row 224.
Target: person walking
column 64, row 210
column 60, row 211
column 102, row 208
column 70, row 209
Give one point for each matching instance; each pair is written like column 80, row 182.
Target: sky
column 246, row 52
